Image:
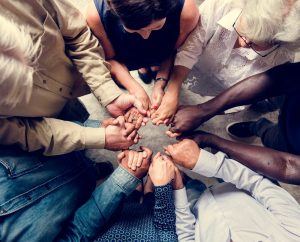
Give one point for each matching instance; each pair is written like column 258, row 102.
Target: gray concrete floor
column 155, row 138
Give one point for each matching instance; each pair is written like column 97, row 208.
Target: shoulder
column 190, row 13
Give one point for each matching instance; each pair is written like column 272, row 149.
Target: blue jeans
column 51, row 198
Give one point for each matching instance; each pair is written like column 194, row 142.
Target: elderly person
column 246, row 207
column 144, row 35
column 232, row 41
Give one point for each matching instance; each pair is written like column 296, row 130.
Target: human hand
column 187, row 118
column 166, row 109
column 157, row 94
column 135, row 158
column 140, row 171
column 177, row 182
column 161, row 170
column 184, row 153
column 120, row 135
column 143, row 97
column 135, row 117
column 122, row 103
column 107, row 122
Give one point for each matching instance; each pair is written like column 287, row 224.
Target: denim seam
column 40, row 191
column 126, row 182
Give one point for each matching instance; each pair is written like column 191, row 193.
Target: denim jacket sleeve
column 92, row 216
column 164, row 213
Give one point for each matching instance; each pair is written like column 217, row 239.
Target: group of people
column 50, row 55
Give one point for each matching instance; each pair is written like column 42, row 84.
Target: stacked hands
column 161, row 168
column 132, row 113
column 122, row 132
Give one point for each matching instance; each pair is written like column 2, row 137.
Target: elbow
column 291, row 171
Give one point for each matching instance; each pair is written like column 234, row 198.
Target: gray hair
column 272, row 21
column 17, row 57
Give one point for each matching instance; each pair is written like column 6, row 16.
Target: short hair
column 272, row 21
column 137, row 14
column 17, row 60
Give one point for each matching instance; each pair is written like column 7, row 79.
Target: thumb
column 147, row 150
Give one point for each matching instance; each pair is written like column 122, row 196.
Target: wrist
column 160, row 84
column 133, row 89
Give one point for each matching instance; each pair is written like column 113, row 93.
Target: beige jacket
column 69, row 52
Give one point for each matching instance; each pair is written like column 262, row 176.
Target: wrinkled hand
column 122, row 103
column 187, row 118
column 157, row 94
column 162, row 170
column 166, row 109
column 135, row 117
column 140, row 171
column 135, row 158
column 120, row 135
column 184, row 153
column 177, row 182
column 203, row 139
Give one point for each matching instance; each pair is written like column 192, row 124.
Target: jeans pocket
column 19, row 163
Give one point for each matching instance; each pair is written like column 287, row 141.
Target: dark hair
column 137, row 14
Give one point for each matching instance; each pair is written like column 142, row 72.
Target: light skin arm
column 188, row 21
column 277, row 81
column 118, row 70
column 278, row 165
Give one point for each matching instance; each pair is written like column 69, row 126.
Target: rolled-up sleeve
column 188, row 54
column 85, row 52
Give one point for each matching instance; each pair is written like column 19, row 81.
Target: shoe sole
column 245, row 140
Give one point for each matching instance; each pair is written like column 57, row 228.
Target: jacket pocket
column 19, row 163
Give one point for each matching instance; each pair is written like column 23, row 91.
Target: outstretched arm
column 283, row 207
column 277, row 81
column 164, row 213
column 278, row 165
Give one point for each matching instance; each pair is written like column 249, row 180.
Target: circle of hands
column 122, row 131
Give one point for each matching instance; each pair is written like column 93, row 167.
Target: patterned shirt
column 139, row 222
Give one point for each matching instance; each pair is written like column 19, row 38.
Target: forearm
column 179, row 74
column 165, row 68
column 83, row 49
column 53, row 136
column 277, row 81
column 283, row 207
column 122, row 75
column 277, row 165
column 164, row 213
column 96, row 212
column 185, row 219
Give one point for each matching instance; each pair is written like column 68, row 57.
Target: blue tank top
column 130, row 48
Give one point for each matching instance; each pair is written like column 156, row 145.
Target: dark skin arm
column 277, row 81
column 278, row 165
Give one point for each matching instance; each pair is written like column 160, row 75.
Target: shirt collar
column 228, row 20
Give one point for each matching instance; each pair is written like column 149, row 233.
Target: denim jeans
column 51, row 198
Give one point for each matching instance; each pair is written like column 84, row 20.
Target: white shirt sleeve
column 188, row 54
column 210, row 12
column 275, row 199
column 185, row 220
